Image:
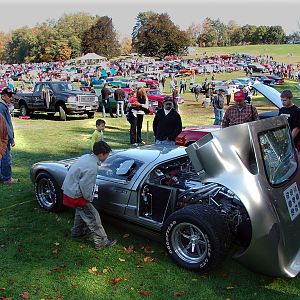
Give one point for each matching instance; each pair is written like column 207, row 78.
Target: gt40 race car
column 239, row 184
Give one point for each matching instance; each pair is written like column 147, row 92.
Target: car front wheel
column 196, row 237
column 24, row 110
column 48, row 192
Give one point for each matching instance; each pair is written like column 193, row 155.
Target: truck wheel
column 196, row 237
column 24, row 110
column 62, row 114
column 91, row 115
column 48, row 192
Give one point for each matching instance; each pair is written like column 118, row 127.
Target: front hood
column 269, row 93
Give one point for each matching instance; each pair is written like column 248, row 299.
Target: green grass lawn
column 281, row 53
column 39, row 260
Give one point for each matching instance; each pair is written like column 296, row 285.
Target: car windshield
column 278, row 154
column 64, row 86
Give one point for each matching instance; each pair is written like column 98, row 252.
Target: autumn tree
column 4, row 40
column 208, row 36
column 126, row 45
column 101, row 38
column 159, row 36
column 193, row 32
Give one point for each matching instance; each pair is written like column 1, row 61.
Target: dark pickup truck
column 56, row 96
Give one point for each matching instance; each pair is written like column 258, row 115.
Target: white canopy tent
column 91, row 58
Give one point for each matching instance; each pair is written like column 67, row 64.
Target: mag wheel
column 48, row 193
column 196, row 237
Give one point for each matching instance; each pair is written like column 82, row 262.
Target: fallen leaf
column 73, row 275
column 106, row 270
column 59, row 296
column 230, row 287
column 178, row 293
column 92, row 270
column 73, row 284
column 122, row 259
column 24, row 295
column 49, row 272
column 194, row 279
column 81, row 247
column 56, row 244
column 116, row 280
column 62, row 276
column 227, row 298
column 57, row 269
column 129, row 249
column 126, row 235
column 140, row 266
column 147, row 249
column 144, row 293
column 2, row 289
column 56, row 251
column 150, row 259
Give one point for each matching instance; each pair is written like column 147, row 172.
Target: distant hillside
column 286, row 53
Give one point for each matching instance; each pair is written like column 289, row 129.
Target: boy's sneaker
column 142, row 143
column 108, row 244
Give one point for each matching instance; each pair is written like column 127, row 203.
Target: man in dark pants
column 105, row 93
column 292, row 112
column 78, row 192
column 167, row 124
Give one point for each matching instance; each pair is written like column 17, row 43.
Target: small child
column 98, row 133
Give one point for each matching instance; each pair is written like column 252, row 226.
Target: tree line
column 153, row 35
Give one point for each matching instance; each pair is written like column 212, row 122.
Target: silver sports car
column 236, row 185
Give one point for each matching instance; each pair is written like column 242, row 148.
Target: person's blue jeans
column 165, row 142
column 218, row 116
column 6, row 165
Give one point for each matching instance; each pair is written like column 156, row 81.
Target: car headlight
column 96, row 99
column 71, row 99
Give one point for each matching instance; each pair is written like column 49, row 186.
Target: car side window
column 119, row 167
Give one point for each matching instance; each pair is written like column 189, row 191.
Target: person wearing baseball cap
column 240, row 112
column 6, row 173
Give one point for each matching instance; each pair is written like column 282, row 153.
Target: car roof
column 148, row 154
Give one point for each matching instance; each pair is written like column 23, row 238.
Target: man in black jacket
column 105, row 93
column 167, row 123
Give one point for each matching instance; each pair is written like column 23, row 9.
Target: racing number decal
column 292, row 198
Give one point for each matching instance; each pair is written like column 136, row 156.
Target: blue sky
column 182, row 12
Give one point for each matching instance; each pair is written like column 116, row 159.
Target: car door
column 114, row 182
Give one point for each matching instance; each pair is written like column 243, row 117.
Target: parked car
column 202, row 198
column 263, row 79
column 64, row 98
column 277, row 80
column 257, row 68
column 191, row 134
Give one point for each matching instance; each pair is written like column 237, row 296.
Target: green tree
column 249, row 32
column 4, row 40
column 142, row 20
column 209, row 35
column 21, row 47
column 275, row 35
column 260, row 35
column 232, row 29
column 238, row 37
column 193, row 32
column 101, row 38
column 71, row 28
column 159, row 36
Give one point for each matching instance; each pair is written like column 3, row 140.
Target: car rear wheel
column 24, row 110
column 62, row 114
column 196, row 237
column 48, row 192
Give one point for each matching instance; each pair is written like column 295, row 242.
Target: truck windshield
column 278, row 155
column 64, row 87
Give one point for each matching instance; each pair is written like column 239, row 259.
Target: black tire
column 196, row 237
column 62, row 114
column 24, row 110
column 91, row 115
column 48, row 193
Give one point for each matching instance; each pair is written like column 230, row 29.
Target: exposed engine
column 183, row 187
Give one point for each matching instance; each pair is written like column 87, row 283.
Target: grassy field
column 39, row 260
column 281, row 53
